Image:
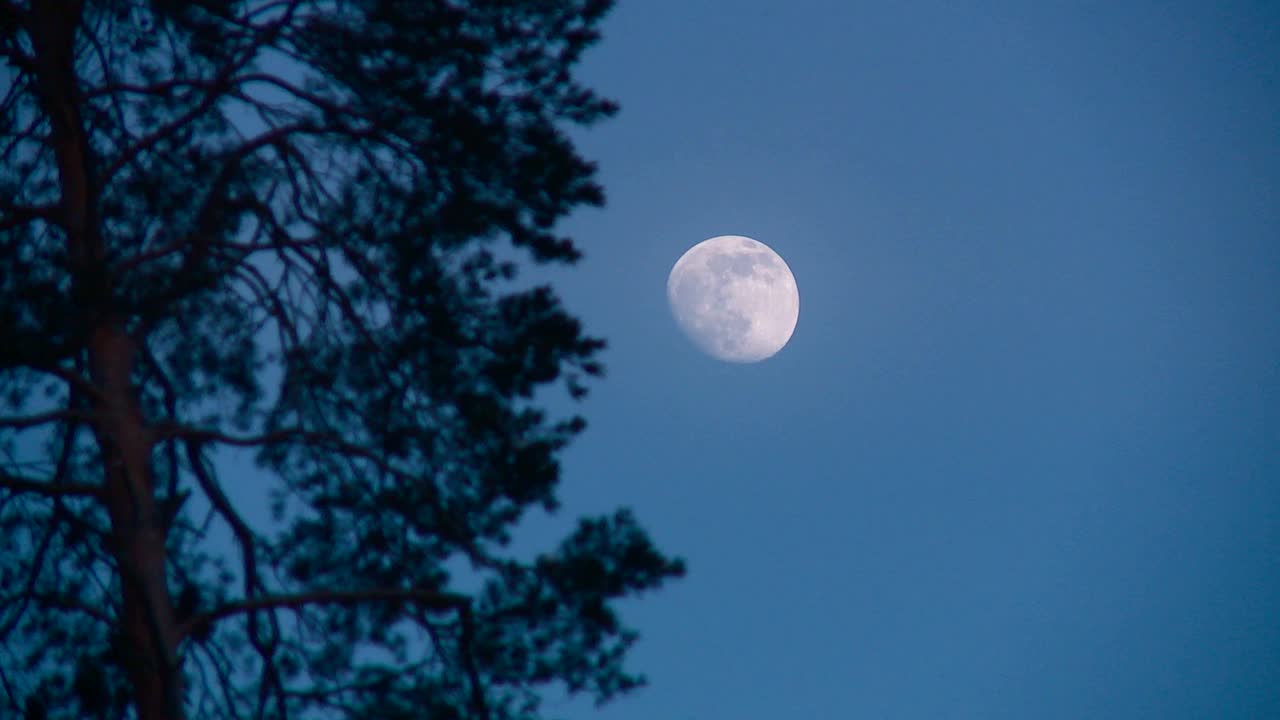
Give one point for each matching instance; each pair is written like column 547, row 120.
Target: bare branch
column 20, row 484
column 328, row 106
column 74, row 378
column 311, row 438
column 65, row 602
column 217, row 90
column 20, row 422
column 164, row 431
column 15, row 215
column 252, row 583
column 314, row 439
column 219, row 500
column 428, row 599
column 231, row 160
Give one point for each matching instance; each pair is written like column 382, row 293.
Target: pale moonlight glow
column 735, row 298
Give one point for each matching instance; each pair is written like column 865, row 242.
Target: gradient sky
column 1021, row 458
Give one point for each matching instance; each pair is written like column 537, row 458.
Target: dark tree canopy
column 292, row 228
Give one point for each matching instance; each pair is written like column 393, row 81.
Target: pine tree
column 293, row 229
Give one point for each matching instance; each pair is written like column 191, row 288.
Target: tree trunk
column 138, row 532
column 137, row 529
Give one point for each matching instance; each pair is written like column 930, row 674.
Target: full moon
column 735, row 298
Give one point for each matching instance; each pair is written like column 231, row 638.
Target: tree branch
column 478, row 704
column 73, row 377
column 217, row 88
column 164, row 431
column 71, row 604
column 20, row 422
column 315, row 439
column 252, row 584
column 312, row 438
column 231, row 161
column 20, row 484
column 428, row 599
column 12, row 216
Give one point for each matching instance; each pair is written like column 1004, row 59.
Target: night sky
column 1021, row 457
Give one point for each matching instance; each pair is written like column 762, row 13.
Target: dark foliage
column 292, row 229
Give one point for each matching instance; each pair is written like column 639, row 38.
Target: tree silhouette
column 293, row 228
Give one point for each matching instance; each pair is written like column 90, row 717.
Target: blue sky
column 1022, row 455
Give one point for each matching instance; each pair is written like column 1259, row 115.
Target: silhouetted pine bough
column 284, row 229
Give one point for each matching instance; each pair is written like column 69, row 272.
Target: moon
column 735, row 298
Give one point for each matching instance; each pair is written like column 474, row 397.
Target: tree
column 293, row 228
